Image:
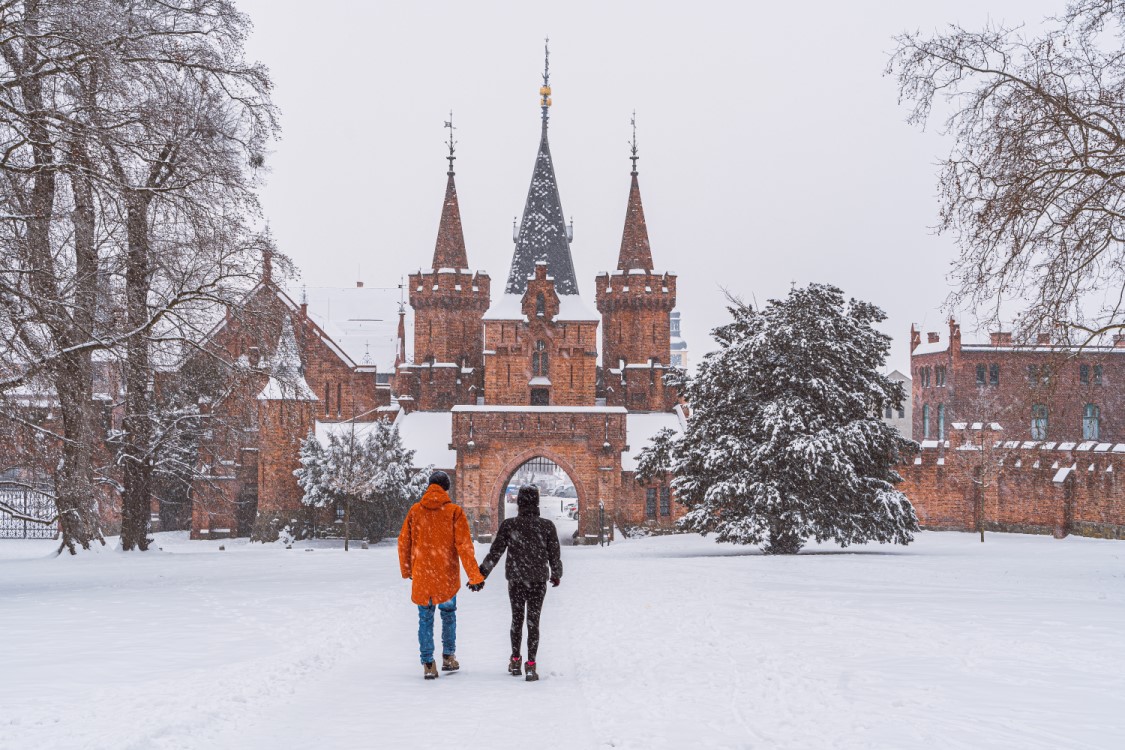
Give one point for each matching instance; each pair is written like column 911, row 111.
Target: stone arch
column 511, row 466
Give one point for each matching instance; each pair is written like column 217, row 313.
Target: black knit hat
column 441, row 479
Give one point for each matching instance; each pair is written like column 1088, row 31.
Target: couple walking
column 433, row 537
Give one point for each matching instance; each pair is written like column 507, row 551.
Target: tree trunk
column 783, row 539
column 347, row 522
column 137, row 463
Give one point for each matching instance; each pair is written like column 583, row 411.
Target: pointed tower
column 539, row 336
column 543, row 235
column 636, row 303
column 449, row 301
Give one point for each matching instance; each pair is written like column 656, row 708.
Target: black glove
column 555, row 581
column 476, row 586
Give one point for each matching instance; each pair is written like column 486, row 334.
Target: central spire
column 449, row 250
column 543, row 235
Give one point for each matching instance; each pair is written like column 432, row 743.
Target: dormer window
column 540, row 305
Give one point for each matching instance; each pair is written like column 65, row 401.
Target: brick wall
column 1041, row 488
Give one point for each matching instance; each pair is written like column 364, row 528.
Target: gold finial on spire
column 545, row 89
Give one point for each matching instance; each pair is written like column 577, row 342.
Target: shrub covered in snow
column 784, row 442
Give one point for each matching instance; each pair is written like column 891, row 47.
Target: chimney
column 933, row 337
column 1043, row 339
column 1119, row 340
column 1001, row 338
column 915, row 338
column 359, row 285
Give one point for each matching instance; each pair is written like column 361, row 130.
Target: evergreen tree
column 784, row 442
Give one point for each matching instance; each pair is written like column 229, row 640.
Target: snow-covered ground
column 671, row 642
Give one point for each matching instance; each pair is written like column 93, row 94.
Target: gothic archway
column 558, row 495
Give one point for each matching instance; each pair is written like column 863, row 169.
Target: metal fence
column 30, row 503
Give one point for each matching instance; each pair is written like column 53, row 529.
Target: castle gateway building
column 501, row 376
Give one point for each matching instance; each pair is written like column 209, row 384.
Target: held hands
column 476, row 586
column 555, row 581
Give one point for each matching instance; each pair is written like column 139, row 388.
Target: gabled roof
column 543, row 236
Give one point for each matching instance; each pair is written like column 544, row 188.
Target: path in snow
column 668, row 642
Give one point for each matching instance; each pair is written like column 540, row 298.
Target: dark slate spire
column 543, row 235
column 449, row 251
column 635, row 249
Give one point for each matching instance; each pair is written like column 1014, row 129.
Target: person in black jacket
column 533, row 559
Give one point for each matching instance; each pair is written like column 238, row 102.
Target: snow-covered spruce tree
column 784, row 442
column 394, row 484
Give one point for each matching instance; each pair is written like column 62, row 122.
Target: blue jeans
column 448, row 629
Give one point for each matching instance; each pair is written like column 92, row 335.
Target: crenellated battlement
column 450, row 288
column 635, row 288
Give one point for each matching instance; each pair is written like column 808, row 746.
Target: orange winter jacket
column 434, row 534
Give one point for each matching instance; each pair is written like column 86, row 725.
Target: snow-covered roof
column 571, row 308
column 926, row 347
column 543, row 409
column 640, row 427
column 428, row 434
column 363, row 321
column 287, row 379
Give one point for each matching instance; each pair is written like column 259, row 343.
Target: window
column 1084, row 374
column 924, row 376
column 339, row 400
column 941, row 422
column 540, row 305
column 1097, row 374
column 327, row 397
column 665, row 500
column 340, row 508
column 926, row 422
column 980, row 374
column 540, row 397
column 902, row 412
column 1039, row 422
column 1045, row 375
column 1090, row 416
column 1033, row 374
column 994, row 374
column 889, row 412
column 539, row 359
column 939, row 376
column 650, row 502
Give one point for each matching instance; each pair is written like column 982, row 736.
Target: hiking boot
column 430, row 670
column 449, row 663
column 514, row 665
column 529, row 670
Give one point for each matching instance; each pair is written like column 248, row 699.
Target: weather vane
column 452, row 143
column 545, row 89
column 633, row 143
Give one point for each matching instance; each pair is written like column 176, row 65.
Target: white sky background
column 772, row 146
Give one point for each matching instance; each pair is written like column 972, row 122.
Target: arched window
column 941, row 422
column 1038, row 422
column 540, row 305
column 539, row 364
column 980, row 374
column 994, row 374
column 926, row 422
column 1090, row 417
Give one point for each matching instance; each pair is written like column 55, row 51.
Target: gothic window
column 327, row 397
column 1090, row 416
column 540, row 305
column 994, row 374
column 650, row 502
column 665, row 500
column 926, row 422
column 980, row 374
column 1097, row 374
column 539, row 363
column 339, row 400
column 941, row 422
column 1038, row 422
column 1084, row 374
column 939, row 376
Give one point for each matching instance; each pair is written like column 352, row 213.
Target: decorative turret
column 449, row 301
column 636, row 302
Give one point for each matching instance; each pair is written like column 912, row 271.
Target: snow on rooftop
column 641, row 427
column 510, row 307
column 428, row 434
column 363, row 321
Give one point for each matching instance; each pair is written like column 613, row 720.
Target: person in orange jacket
column 434, row 535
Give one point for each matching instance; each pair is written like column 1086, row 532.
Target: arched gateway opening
column 558, row 495
column 494, row 443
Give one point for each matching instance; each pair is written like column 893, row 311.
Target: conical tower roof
column 543, row 235
column 449, row 251
column 635, row 249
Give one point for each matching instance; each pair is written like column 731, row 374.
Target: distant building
column 678, row 352
column 901, row 418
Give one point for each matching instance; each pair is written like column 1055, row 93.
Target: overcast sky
column 772, row 147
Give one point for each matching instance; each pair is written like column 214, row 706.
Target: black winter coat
column 533, row 548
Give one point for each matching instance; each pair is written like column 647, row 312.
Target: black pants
column 529, row 596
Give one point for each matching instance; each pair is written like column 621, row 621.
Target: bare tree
column 1034, row 189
